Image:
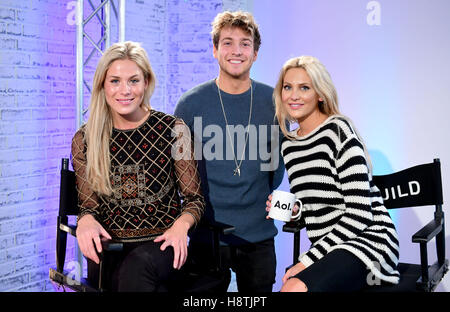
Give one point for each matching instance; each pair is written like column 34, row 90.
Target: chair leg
column 101, row 277
column 440, row 244
column 424, row 262
column 61, row 243
column 296, row 252
column 94, row 273
column 216, row 249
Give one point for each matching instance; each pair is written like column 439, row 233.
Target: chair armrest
column 293, row 226
column 107, row 244
column 221, row 228
column 428, row 232
column 66, row 279
column 111, row 245
column 68, row 228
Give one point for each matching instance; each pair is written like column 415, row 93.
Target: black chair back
column 68, row 196
column 413, row 187
column 68, row 206
column 418, row 186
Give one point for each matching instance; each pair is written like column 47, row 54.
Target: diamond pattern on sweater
column 149, row 185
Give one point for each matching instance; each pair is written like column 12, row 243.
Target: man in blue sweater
column 237, row 147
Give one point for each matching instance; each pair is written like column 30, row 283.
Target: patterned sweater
column 342, row 207
column 147, row 181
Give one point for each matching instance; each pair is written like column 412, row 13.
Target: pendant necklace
column 238, row 165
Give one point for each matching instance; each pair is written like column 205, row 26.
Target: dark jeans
column 338, row 271
column 253, row 263
column 138, row 267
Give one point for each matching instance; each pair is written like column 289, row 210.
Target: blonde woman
column 130, row 185
column 351, row 232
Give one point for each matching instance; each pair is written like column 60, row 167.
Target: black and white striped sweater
column 342, row 207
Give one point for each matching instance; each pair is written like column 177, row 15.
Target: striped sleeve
column 353, row 177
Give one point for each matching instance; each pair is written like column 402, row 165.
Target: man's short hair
column 240, row 19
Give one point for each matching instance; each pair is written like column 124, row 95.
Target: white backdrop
column 390, row 63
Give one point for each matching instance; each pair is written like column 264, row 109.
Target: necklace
column 238, row 165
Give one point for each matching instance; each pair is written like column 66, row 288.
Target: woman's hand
column 269, row 204
column 293, row 271
column 176, row 236
column 90, row 232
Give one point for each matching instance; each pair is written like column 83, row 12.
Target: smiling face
column 235, row 53
column 124, row 88
column 298, row 96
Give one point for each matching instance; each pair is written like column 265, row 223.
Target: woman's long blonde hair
column 323, row 85
column 99, row 126
column 321, row 82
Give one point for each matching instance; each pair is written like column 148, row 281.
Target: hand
column 269, row 204
column 293, row 271
column 89, row 232
column 176, row 236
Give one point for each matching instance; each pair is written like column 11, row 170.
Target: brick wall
column 37, row 109
column 36, row 125
column 189, row 50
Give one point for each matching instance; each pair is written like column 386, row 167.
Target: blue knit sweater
column 233, row 199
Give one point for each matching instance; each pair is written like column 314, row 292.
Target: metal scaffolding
column 102, row 10
column 103, row 13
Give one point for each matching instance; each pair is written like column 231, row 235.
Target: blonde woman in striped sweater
column 352, row 235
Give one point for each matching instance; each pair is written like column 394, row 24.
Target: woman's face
column 298, row 96
column 124, row 91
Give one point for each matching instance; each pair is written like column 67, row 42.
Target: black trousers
column 338, row 271
column 254, row 264
column 139, row 267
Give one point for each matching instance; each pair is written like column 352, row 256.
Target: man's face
column 235, row 53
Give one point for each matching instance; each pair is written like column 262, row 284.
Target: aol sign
column 282, row 206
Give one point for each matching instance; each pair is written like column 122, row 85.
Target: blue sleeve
column 182, row 111
column 278, row 173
